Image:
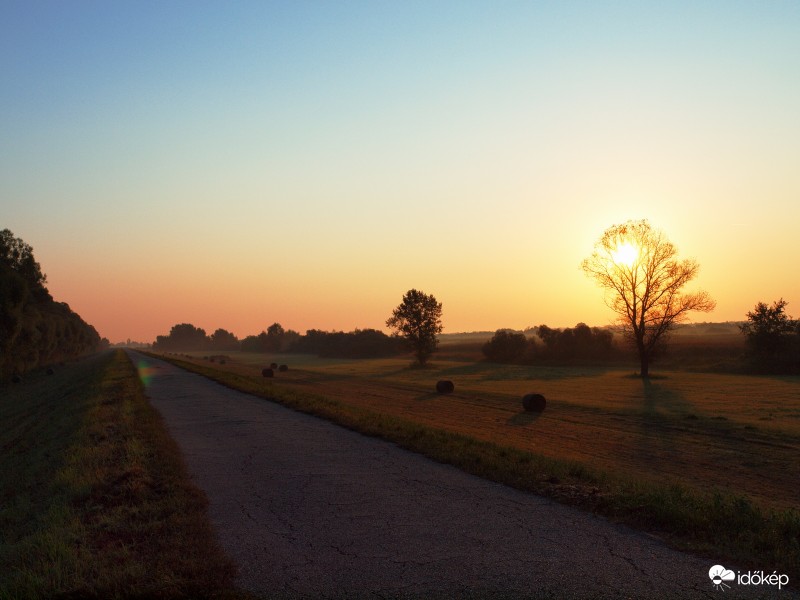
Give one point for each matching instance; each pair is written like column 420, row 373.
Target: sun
column 625, row 254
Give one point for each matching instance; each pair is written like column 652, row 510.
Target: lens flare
column 146, row 373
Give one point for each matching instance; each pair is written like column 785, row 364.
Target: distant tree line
column 274, row 339
column 35, row 330
column 579, row 342
column 361, row 343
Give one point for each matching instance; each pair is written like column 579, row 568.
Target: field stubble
column 733, row 433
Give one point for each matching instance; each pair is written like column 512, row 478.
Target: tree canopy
column 34, row 329
column 418, row 319
column 643, row 279
column 773, row 337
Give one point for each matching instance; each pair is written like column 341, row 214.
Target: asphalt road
column 309, row 509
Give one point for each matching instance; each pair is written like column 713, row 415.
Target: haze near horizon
column 236, row 165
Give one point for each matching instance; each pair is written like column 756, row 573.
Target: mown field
column 672, row 454
column 95, row 501
column 712, row 431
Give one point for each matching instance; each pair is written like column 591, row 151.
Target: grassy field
column 686, row 455
column 713, row 431
column 94, row 498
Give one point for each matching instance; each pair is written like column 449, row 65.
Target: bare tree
column 643, row 279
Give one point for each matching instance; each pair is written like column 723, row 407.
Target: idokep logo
column 719, row 575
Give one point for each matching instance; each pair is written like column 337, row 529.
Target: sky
column 235, row 164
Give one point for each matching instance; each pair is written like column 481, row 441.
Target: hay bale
column 273, row 365
column 16, row 378
column 212, row 359
column 445, row 386
column 222, row 361
column 283, row 368
column 534, row 402
column 267, row 373
column 50, row 371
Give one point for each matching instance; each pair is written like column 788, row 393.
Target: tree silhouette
column 505, row 346
column 418, row 319
column 773, row 337
column 18, row 256
column 274, row 338
column 637, row 267
column 222, row 339
column 34, row 329
column 183, row 336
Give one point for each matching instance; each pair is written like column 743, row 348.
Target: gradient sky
column 236, row 164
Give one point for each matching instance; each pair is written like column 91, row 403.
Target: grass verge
column 96, row 500
column 721, row 526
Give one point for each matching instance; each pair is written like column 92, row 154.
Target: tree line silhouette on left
column 35, row 330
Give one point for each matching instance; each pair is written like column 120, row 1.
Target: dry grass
column 708, row 460
column 96, row 499
column 733, row 433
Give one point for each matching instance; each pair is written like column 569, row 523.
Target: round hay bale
column 267, row 373
column 222, row 361
column 16, row 378
column 283, row 368
column 273, row 365
column 212, row 359
column 445, row 386
column 534, row 402
column 50, row 371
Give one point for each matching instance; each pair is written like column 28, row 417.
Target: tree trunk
column 644, row 361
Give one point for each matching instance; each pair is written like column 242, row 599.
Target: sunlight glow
column 625, row 254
